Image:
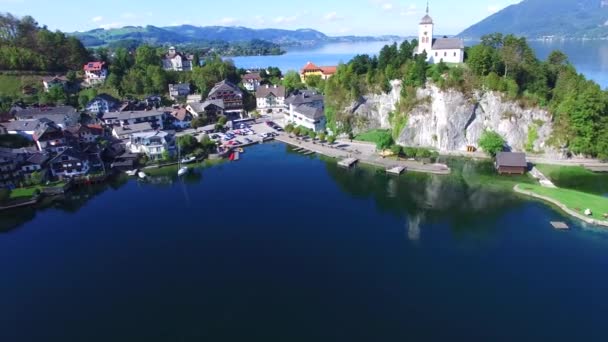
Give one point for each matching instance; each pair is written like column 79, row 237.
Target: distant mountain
column 538, row 18
column 191, row 34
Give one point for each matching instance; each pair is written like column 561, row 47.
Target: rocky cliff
column 450, row 121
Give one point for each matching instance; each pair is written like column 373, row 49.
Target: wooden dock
column 560, row 225
column 348, row 162
column 397, row 170
column 307, row 153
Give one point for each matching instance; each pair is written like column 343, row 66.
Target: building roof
column 105, row 97
column 43, row 111
column 37, row 159
column 253, row 76
column 448, row 44
column 303, row 97
column 132, row 129
column 311, row 67
column 329, row 70
column 180, row 113
column 179, row 86
column 225, row 85
column 56, row 78
column 511, row 159
column 94, row 66
column 21, row 125
column 70, row 152
column 310, row 112
column 426, row 20
column 277, row 91
column 146, row 135
column 139, row 114
column 46, row 126
column 93, row 129
column 201, row 107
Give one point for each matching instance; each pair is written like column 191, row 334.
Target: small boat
column 240, row 150
column 182, row 171
column 231, row 158
column 188, row 160
column 131, row 173
column 142, row 175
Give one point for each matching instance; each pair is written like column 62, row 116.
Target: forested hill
column 24, row 45
column 186, row 34
column 538, row 18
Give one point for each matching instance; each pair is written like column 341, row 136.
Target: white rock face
column 450, row 121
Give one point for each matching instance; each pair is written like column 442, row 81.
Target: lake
column 285, row 247
column 589, row 57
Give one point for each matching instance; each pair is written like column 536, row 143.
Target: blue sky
column 335, row 17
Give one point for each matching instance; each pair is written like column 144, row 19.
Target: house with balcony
column 102, row 103
column 176, row 61
column 84, row 134
column 70, row 163
column 153, row 117
column 251, row 81
column 63, row 116
column 307, row 109
column 270, row 97
column 49, row 82
column 210, row 109
column 125, row 132
column 181, row 118
column 310, row 69
column 10, row 172
column 180, row 90
column 36, row 162
column 95, row 73
column 152, row 144
column 49, row 137
column 230, row 94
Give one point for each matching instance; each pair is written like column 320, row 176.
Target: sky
column 335, row 17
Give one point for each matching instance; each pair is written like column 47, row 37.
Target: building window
column 445, row 54
column 454, row 54
column 436, row 54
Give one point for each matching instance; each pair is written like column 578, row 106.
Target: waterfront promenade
column 364, row 154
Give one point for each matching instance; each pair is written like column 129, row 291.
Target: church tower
column 425, row 33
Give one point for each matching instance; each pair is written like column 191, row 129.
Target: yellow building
column 310, row 69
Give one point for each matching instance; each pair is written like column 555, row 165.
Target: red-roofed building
column 95, row 72
column 310, row 69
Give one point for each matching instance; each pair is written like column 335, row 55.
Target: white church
column 448, row 50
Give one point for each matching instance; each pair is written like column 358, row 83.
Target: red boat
column 231, row 156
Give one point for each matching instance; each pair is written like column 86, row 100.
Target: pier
column 343, row 150
column 348, row 162
column 397, row 170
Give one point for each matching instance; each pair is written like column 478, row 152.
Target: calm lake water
column 283, row 247
column 589, row 57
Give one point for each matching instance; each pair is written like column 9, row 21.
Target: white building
column 270, row 97
column 251, row 81
column 306, row 109
column 448, row 50
column 179, row 90
column 95, row 73
column 102, row 104
column 154, row 117
column 152, row 144
column 176, row 61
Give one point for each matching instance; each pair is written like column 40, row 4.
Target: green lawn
column 11, row 85
column 576, row 178
column 574, row 200
column 373, row 136
column 22, row 193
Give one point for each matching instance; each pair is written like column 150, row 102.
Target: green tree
column 384, row 141
column 36, row 178
column 292, row 81
column 145, row 56
column 331, row 139
column 187, row 143
column 312, row 134
column 492, row 143
column 322, row 136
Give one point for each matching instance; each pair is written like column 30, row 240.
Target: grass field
column 373, row 136
column 576, row 178
column 11, row 85
column 574, row 200
column 22, row 193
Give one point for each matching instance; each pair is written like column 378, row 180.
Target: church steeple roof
column 427, row 20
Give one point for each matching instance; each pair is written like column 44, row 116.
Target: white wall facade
column 447, row 56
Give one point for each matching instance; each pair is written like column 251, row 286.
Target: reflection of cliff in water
column 460, row 198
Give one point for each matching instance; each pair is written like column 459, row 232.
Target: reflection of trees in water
column 458, row 198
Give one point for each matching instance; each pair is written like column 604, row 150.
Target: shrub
column 492, row 143
column 321, row 136
column 396, row 150
column 331, row 139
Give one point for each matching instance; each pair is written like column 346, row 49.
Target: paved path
column 345, row 150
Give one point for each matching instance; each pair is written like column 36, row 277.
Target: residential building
column 84, row 134
column 307, row 109
column 310, row 69
column 177, row 61
column 54, row 81
column 102, row 103
column 152, row 144
column 251, row 81
column 511, row 163
column 448, row 50
column 125, row 132
column 230, row 94
column 10, row 172
column 63, row 116
column 210, row 109
column 179, row 90
column 69, row 164
column 36, row 162
column 24, row 128
column 270, row 97
column 95, row 73
column 154, row 117
column 153, row 101
column 49, row 137
column 181, row 117
column 196, row 98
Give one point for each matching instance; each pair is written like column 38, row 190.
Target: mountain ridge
column 540, row 18
column 184, row 34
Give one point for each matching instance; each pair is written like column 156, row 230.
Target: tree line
column 24, row 45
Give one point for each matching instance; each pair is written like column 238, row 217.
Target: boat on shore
column 142, row 175
column 131, row 173
column 188, row 160
column 182, row 171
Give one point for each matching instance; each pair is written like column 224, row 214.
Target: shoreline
column 562, row 206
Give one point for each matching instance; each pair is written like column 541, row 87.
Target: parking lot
column 246, row 134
